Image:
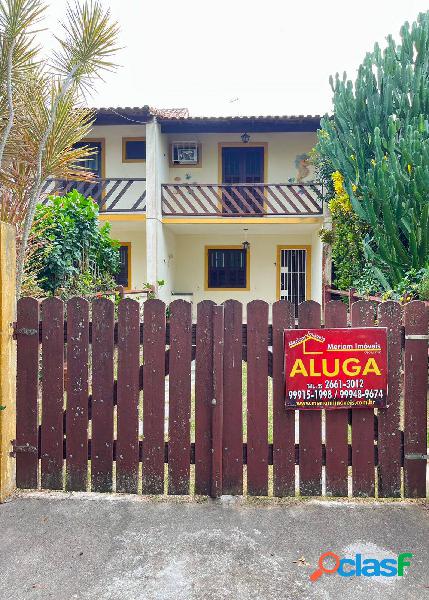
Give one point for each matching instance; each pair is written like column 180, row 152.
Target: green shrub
column 77, row 249
column 423, row 285
column 378, row 139
column 346, row 237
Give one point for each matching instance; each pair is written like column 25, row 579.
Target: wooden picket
column 77, row 394
column 310, row 423
column 52, row 434
column 415, row 399
column 127, row 446
column 203, row 396
column 102, row 395
column 363, row 462
column 257, row 398
column 64, row 430
column 179, row 448
column 283, row 420
column 153, row 396
column 232, row 399
column 27, row 390
column 336, row 422
column 389, row 431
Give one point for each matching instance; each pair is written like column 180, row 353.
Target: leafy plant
column 366, row 282
column 88, row 281
column 41, row 114
column 78, row 252
column 423, row 285
column 346, row 237
column 378, row 139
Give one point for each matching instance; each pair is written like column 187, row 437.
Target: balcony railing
column 241, row 199
column 112, row 195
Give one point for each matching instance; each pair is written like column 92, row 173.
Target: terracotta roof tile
column 170, row 113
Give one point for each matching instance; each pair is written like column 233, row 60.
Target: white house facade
column 217, row 207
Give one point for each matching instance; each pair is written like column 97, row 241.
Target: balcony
column 119, row 195
column 241, row 199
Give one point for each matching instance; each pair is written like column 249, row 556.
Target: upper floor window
column 133, row 149
column 95, row 162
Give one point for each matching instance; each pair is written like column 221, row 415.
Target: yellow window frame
column 124, row 148
column 206, row 268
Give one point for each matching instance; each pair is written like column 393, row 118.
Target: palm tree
column 42, row 114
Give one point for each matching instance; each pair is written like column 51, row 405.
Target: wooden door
column 242, row 165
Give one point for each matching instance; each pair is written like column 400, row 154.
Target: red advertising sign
column 336, row 368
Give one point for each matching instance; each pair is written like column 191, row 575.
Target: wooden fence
column 84, row 431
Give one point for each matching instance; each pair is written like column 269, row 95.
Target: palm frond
column 71, row 125
column 17, row 16
column 90, row 41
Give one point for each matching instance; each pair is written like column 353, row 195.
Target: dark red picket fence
column 80, row 409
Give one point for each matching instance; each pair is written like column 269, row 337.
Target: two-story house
column 217, row 207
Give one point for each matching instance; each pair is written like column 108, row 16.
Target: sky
column 239, row 57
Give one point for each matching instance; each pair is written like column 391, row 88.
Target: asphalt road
column 103, row 547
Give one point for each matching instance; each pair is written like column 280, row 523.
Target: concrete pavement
column 107, row 547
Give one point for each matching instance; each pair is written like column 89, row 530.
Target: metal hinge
column 417, row 456
column 24, row 448
column 23, row 331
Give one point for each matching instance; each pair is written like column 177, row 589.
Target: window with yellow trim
column 122, row 277
column 227, row 268
column 133, row 149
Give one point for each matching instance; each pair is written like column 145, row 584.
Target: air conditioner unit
column 184, row 153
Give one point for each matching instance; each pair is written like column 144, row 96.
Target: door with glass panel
column 242, row 166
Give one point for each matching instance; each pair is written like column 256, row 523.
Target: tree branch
column 11, row 115
column 38, row 183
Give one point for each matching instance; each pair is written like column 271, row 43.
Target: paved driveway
column 64, row 546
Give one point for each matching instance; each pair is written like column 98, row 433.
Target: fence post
column 217, row 402
column 326, row 296
column 416, row 320
column 7, row 359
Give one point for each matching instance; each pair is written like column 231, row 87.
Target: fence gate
column 126, row 400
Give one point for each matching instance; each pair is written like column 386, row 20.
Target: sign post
column 336, row 368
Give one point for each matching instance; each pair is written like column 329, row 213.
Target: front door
column 242, row 165
column 293, row 275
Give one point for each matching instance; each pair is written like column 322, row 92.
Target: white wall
column 167, row 262
column 134, row 233
column 113, row 135
column 114, row 167
column 189, row 265
column 282, row 150
column 317, row 268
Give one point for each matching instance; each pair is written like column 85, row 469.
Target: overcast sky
column 229, row 57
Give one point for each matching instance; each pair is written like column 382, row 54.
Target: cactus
column 378, row 138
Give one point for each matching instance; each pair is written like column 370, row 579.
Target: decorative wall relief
column 302, row 164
